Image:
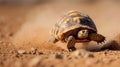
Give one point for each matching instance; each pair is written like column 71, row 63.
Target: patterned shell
column 71, row 23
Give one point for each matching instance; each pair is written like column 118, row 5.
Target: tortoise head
column 82, row 34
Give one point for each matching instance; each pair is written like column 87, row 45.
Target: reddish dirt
column 24, row 35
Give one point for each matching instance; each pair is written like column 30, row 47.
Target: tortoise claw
column 103, row 42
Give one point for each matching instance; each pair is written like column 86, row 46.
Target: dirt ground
column 24, row 34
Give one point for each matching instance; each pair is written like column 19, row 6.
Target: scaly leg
column 97, row 37
column 71, row 43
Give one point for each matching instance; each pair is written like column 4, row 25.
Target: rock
column 58, row 56
column 21, row 51
column 33, row 51
column 34, row 62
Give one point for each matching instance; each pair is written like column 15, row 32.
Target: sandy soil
column 24, row 35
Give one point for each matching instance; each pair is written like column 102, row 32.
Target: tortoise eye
column 76, row 19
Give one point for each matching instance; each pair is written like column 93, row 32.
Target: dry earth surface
column 24, row 35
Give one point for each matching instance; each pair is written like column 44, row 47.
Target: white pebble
column 21, row 51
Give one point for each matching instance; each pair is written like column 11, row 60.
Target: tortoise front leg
column 97, row 37
column 71, row 43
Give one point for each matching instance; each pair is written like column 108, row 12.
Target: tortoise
column 75, row 27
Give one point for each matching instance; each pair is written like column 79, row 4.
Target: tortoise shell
column 71, row 23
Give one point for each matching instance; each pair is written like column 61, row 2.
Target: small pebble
column 58, row 56
column 33, row 51
column 21, row 51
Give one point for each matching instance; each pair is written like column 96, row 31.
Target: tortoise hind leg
column 53, row 40
column 71, row 43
